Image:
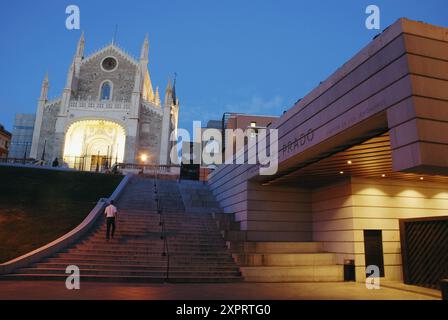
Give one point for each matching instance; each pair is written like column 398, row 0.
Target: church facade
column 108, row 112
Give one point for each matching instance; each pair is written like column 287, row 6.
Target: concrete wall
column 265, row 213
column 341, row 212
column 419, row 126
column 333, row 219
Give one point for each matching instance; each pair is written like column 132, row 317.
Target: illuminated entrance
column 94, row 145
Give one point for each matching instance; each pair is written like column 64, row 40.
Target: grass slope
column 38, row 206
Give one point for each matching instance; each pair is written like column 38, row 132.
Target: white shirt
column 111, row 211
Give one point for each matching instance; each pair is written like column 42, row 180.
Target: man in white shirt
column 111, row 214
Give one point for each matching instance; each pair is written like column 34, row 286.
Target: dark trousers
column 110, row 223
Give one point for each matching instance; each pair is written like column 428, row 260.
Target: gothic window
column 109, row 64
column 106, row 91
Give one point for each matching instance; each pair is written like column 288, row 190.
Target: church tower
column 170, row 121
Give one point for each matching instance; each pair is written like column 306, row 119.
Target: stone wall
column 47, row 133
column 150, row 134
column 92, row 76
column 341, row 213
column 264, row 213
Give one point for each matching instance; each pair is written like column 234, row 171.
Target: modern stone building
column 22, row 136
column 363, row 171
column 107, row 109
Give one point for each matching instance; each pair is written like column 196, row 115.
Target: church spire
column 44, row 89
column 157, row 97
column 70, row 74
column 168, row 94
column 174, row 89
column 145, row 49
column 80, row 47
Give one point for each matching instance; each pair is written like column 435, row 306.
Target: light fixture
column 143, row 157
column 421, row 178
column 349, row 162
column 341, row 172
column 383, row 175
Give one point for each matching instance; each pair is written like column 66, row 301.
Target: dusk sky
column 241, row 56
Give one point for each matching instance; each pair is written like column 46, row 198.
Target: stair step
column 75, row 261
column 127, row 279
column 151, row 273
column 274, row 247
column 294, row 274
column 82, row 266
column 150, row 242
column 133, row 253
column 143, row 258
column 285, row 259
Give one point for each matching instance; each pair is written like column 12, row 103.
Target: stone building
column 108, row 109
column 5, row 139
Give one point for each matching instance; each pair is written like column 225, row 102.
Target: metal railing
column 19, row 160
column 163, row 233
column 156, row 168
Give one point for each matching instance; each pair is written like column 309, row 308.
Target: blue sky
column 241, row 56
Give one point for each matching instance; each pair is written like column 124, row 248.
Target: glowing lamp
column 143, row 157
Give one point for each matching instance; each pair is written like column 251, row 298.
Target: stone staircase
column 196, row 250
column 264, row 261
column 286, row 262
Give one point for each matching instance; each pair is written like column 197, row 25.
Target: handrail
column 163, row 235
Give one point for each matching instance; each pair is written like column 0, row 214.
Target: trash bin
column 444, row 288
column 349, row 270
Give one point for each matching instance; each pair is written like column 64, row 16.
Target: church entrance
column 94, row 145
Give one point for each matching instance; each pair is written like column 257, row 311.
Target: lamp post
column 106, row 164
column 26, row 150
column 97, row 169
column 43, row 152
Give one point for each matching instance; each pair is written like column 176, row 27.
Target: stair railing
column 163, row 234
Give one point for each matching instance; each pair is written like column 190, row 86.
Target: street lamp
column 144, row 157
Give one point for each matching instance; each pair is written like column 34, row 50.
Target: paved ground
column 235, row 291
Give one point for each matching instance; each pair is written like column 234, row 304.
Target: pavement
column 56, row 290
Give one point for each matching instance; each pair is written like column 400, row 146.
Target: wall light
column 341, row 172
column 349, row 162
column 143, row 157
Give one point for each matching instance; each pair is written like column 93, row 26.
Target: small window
column 106, row 91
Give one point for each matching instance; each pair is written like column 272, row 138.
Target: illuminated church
column 108, row 112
